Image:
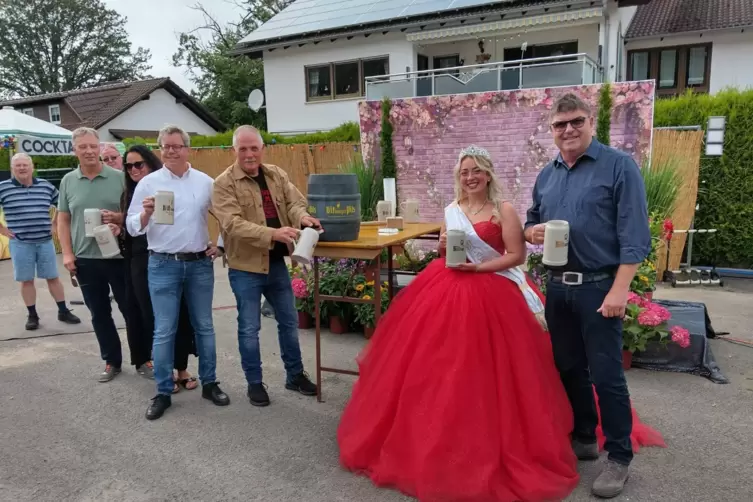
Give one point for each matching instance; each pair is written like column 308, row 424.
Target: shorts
column 33, row 257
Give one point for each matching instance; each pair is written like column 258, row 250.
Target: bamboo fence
column 684, row 147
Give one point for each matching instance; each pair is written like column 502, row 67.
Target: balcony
column 572, row 69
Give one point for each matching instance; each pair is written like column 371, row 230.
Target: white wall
column 153, row 114
column 730, row 55
column 285, row 81
column 586, row 35
column 616, row 22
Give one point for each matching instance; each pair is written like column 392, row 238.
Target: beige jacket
column 237, row 204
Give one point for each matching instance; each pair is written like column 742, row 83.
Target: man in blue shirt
column 599, row 191
column 26, row 201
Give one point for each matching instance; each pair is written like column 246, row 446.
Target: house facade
column 322, row 57
column 122, row 110
column 698, row 45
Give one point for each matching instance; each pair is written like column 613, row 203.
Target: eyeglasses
column 577, row 123
column 138, row 165
column 109, row 159
column 176, row 148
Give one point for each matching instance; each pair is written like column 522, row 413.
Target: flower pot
column 305, row 320
column 627, row 359
column 649, row 295
column 368, row 332
column 338, row 325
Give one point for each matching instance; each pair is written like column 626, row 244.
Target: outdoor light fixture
column 715, row 136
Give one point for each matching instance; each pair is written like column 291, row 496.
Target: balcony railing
column 572, row 69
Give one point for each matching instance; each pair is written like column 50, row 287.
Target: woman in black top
column 140, row 161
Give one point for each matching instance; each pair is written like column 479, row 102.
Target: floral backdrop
column 430, row 132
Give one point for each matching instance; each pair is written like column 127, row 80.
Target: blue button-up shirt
column 603, row 198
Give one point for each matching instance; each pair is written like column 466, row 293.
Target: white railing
column 572, row 69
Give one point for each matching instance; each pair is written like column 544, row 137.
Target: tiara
column 474, row 151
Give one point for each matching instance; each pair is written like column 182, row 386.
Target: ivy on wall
column 727, row 181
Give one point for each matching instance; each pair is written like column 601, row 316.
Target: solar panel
column 310, row 16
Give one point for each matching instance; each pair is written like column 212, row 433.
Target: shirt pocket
column 597, row 197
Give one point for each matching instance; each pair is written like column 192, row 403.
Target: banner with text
column 33, row 145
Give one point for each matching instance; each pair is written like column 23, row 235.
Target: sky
column 155, row 24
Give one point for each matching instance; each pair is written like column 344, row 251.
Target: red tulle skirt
column 458, row 397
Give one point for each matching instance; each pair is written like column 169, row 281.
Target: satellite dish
column 256, row 100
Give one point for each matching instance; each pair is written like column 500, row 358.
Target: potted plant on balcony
column 646, row 322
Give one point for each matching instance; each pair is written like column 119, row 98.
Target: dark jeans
column 248, row 288
column 140, row 318
column 588, row 348
column 96, row 277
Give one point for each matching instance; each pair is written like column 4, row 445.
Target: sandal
column 176, row 387
column 189, row 383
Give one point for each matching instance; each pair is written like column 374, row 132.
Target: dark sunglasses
column 138, row 165
column 577, row 123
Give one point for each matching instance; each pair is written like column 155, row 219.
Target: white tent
column 34, row 136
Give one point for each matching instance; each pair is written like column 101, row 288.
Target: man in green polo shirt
column 93, row 185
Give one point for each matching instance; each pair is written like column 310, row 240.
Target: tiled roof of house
column 668, row 17
column 96, row 106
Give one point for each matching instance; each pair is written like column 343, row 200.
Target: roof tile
column 668, row 17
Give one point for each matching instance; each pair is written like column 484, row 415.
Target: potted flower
column 536, row 269
column 364, row 312
column 335, row 279
column 413, row 258
column 304, row 302
column 645, row 322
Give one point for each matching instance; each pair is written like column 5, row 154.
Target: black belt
column 180, row 256
column 578, row 278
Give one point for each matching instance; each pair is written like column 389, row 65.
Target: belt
column 578, row 278
column 180, row 256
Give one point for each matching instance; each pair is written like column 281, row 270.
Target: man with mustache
column 260, row 213
column 93, row 185
column 600, row 192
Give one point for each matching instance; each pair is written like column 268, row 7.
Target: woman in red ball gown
column 458, row 397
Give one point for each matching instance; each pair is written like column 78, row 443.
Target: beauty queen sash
column 479, row 251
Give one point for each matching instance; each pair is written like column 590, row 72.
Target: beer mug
column 108, row 243
column 164, row 208
column 556, row 239
column 384, row 210
column 409, row 211
column 304, row 248
column 455, row 248
column 92, row 219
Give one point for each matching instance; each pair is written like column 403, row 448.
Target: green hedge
column 41, row 161
column 726, row 183
column 348, row 132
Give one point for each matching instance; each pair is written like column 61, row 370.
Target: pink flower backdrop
column 513, row 125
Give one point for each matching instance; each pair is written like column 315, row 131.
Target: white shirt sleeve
column 133, row 219
column 220, row 241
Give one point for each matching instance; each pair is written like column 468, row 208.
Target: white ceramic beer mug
column 304, row 248
column 164, row 208
column 108, row 243
column 409, row 211
column 556, row 239
column 455, row 248
column 92, row 219
column 384, row 210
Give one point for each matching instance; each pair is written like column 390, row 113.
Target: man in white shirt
column 180, row 262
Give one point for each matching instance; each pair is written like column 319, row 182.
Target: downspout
column 604, row 63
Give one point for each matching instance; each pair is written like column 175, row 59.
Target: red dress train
column 458, row 398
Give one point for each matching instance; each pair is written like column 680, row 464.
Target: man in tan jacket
column 260, row 213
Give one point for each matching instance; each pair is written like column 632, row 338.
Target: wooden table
column 369, row 246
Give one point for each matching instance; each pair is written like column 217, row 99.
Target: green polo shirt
column 77, row 193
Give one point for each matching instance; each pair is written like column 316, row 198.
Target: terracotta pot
column 627, row 359
column 649, row 295
column 338, row 325
column 368, row 332
column 305, row 321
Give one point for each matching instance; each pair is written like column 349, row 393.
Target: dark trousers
column 96, row 277
column 588, row 350
column 140, row 318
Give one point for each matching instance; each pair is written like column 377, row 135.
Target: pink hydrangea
column 634, row 298
column 649, row 318
column 660, row 311
column 300, row 290
column 680, row 336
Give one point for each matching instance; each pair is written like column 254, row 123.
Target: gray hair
column 84, row 131
column 246, row 128
column 20, row 156
column 173, row 129
column 569, row 103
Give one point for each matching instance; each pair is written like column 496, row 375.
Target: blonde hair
column 83, row 131
column 493, row 188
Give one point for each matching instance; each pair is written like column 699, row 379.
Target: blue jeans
column 248, row 288
column 169, row 280
column 588, row 348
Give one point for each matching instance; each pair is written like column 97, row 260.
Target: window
column 29, row 112
column 542, row 51
column 675, row 69
column 451, row 61
column 343, row 79
column 54, row 114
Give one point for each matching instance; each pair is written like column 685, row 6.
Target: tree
column 604, row 118
column 223, row 82
column 60, row 45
